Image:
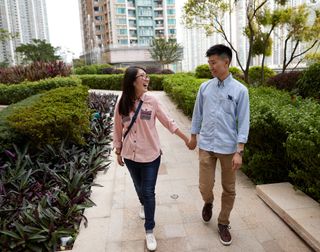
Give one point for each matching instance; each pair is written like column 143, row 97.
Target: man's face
column 218, row 65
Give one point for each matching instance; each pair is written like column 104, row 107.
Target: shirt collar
column 223, row 83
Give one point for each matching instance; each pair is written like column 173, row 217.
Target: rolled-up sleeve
column 165, row 120
column 117, row 128
column 197, row 114
column 243, row 114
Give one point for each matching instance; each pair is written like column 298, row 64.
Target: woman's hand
column 120, row 160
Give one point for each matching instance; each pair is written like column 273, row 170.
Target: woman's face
column 142, row 82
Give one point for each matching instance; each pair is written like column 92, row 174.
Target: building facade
column 120, row 31
column 27, row 19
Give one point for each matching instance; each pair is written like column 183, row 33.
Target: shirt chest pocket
column 228, row 105
column 146, row 112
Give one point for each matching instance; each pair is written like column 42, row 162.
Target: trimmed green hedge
column 13, row 93
column 114, row 81
column 284, row 139
column 183, row 88
column 47, row 118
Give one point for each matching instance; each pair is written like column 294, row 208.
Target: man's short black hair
column 220, row 50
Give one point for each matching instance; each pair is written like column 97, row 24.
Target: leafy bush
column 284, row 139
column 117, row 71
column 167, row 71
column 235, row 71
column 153, row 70
column 59, row 114
column 34, row 72
column 309, row 83
column 183, row 88
column 91, row 69
column 13, row 93
column 287, row 81
column 203, row 71
column 255, row 75
column 53, row 184
column 114, row 81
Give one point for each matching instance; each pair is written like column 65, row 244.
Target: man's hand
column 236, row 161
column 193, row 142
column 120, row 160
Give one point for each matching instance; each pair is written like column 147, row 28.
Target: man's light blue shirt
column 221, row 115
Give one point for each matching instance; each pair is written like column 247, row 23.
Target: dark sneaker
column 225, row 236
column 207, row 212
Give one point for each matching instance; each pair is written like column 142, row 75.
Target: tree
column 166, row 52
column 38, row 50
column 209, row 14
column 299, row 30
column 267, row 22
column 5, row 35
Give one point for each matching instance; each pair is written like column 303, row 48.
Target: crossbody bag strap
column 134, row 118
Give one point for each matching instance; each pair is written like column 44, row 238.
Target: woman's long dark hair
column 126, row 103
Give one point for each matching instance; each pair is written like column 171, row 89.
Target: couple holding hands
column 220, row 119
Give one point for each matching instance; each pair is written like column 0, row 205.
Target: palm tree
column 165, row 52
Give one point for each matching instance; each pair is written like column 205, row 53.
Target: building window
column 170, row 1
column 121, row 21
column 171, row 21
column 123, row 41
column 172, row 31
column 121, row 11
column 171, row 11
column 122, row 32
column 121, row 1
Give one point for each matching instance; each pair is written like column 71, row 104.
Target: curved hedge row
column 114, row 81
column 14, row 93
column 284, row 139
column 47, row 118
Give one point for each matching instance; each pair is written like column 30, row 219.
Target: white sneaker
column 151, row 242
column 141, row 212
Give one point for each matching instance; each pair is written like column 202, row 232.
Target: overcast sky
column 64, row 25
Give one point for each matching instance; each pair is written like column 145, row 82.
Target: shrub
column 58, row 115
column 117, row 71
column 54, row 186
column 203, row 71
column 309, row 83
column 8, row 135
column 114, row 81
column 235, row 71
column 287, row 81
column 34, row 72
column 13, row 93
column 183, row 88
column 108, row 70
column 255, row 75
column 88, row 69
column 91, row 69
column 167, row 71
column 153, row 70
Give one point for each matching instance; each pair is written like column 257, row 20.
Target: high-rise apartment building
column 120, row 31
column 25, row 18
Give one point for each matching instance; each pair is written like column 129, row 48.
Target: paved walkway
column 179, row 227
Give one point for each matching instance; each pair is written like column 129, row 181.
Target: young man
column 221, row 118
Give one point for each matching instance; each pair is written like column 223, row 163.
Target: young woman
column 137, row 142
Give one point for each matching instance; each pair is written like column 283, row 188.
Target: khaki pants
column 207, row 168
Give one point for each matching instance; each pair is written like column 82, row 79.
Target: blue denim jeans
column 144, row 176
